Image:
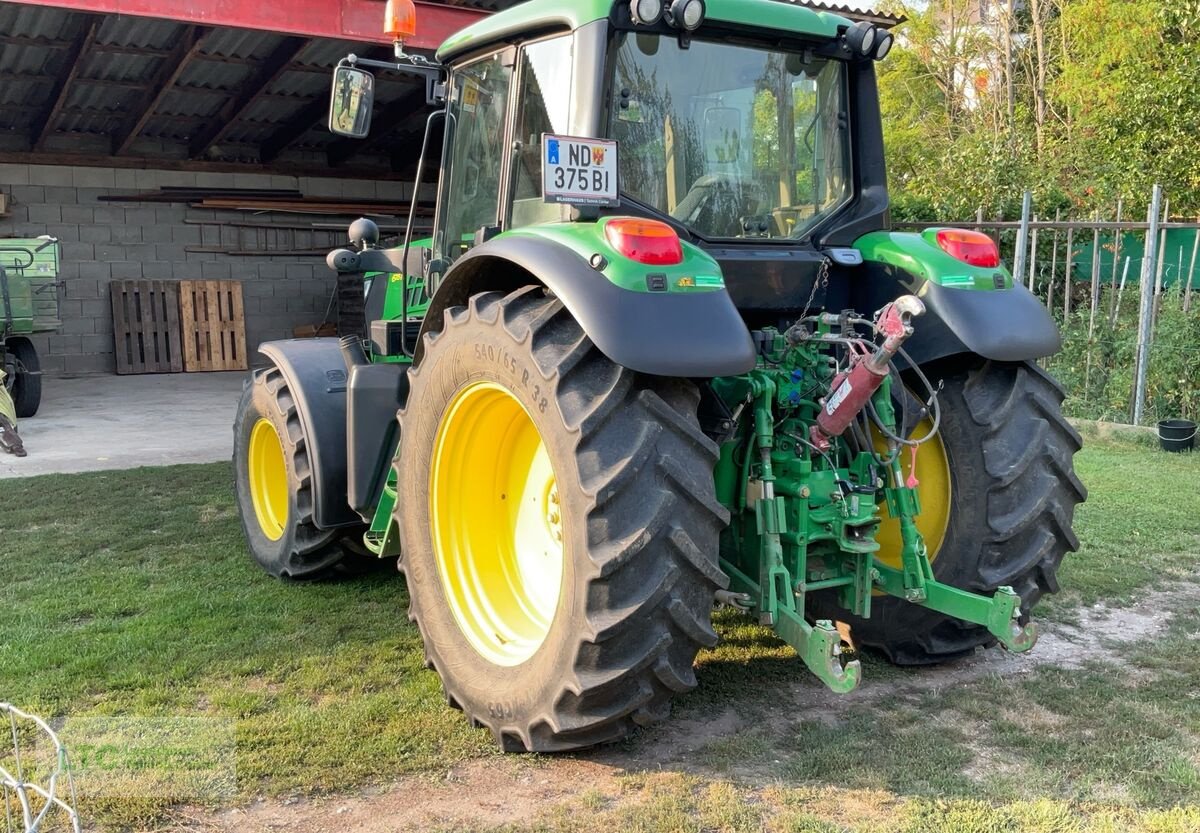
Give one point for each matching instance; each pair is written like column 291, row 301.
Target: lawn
column 130, row 593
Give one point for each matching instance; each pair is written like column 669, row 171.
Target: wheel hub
column 497, row 523
column 268, row 479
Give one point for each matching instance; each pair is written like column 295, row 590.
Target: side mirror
column 350, row 102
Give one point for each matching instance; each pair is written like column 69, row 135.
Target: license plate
column 579, row 171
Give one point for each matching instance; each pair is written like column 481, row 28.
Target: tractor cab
column 756, row 139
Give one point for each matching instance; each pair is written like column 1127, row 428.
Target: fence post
column 1146, row 307
column 1053, row 262
column 1067, row 275
column 1158, row 275
column 1023, row 237
column 1033, row 254
column 1091, row 342
column 1187, row 293
column 1118, row 235
column 1116, row 310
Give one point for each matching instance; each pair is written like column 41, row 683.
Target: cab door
column 475, row 162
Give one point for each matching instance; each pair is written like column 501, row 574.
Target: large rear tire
column 273, row 482
column 1013, row 493
column 559, row 526
column 24, row 368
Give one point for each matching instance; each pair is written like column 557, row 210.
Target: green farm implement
column 663, row 352
column 28, row 305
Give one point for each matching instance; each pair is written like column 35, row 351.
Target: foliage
column 1099, row 371
column 1105, row 102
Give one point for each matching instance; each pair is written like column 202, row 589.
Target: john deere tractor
column 662, row 353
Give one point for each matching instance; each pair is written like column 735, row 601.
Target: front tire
column 273, row 482
column 514, row 416
column 1013, row 492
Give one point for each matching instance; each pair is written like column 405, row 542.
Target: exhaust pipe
column 352, row 352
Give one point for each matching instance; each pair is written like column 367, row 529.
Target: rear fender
column 694, row 334
column 315, row 373
column 969, row 309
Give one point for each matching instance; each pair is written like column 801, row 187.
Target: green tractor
column 662, row 353
column 28, row 304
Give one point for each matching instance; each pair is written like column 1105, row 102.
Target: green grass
column 130, row 593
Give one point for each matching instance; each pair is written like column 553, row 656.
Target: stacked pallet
column 174, row 327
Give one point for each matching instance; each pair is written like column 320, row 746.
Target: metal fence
column 1121, row 291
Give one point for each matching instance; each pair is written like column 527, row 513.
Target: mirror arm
column 433, row 73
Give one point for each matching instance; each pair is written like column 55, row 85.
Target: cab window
column 543, row 106
column 475, row 123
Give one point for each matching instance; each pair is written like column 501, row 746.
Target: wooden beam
column 276, row 64
column 168, row 72
column 407, row 108
column 163, row 163
column 74, row 59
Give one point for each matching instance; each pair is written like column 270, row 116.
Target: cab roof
column 546, row 15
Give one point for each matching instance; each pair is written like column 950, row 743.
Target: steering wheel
column 715, row 204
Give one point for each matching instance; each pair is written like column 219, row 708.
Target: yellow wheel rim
column 497, row 523
column 935, row 492
column 268, row 479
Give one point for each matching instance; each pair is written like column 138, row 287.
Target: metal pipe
column 1149, row 265
column 1067, row 274
column 1191, row 275
column 1033, row 257
column 1023, row 236
column 1112, row 298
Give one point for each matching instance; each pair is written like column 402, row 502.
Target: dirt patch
column 514, row 790
column 1101, row 633
column 491, row 792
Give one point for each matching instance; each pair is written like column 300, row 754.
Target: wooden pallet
column 146, row 326
column 214, row 325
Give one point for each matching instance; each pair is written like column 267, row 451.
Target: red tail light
column 971, row 247
column 651, row 242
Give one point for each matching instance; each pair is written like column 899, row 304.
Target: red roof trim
column 358, row 20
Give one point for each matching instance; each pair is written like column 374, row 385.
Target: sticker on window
column 578, row 171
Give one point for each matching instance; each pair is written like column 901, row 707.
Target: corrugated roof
column 116, row 72
column 117, row 75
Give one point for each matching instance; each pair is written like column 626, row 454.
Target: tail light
column 972, row 247
column 651, row 242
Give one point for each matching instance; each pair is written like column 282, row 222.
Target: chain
column 821, row 282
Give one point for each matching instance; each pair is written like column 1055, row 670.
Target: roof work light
column 686, row 14
column 860, row 38
column 646, row 12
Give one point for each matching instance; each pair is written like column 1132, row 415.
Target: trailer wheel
column 998, row 497
column 559, row 526
column 25, row 380
column 273, row 483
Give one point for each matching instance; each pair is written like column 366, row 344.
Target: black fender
column 691, row 335
column 315, row 373
column 376, row 393
column 1006, row 325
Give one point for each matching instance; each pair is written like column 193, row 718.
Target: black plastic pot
column 1177, row 434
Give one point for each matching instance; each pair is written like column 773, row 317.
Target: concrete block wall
column 105, row 241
